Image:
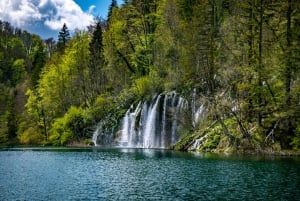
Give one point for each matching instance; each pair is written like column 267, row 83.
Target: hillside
column 235, row 63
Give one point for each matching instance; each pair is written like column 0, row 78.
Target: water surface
column 143, row 174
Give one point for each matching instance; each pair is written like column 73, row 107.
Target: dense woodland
column 242, row 58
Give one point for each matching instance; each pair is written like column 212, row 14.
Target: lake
column 143, row 174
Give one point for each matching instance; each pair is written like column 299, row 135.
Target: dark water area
column 143, row 174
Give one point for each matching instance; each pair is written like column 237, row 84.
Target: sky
column 46, row 17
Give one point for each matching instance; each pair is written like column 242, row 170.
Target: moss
column 184, row 143
column 211, row 142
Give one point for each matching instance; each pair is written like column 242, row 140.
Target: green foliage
column 3, row 130
column 69, row 128
column 31, row 136
column 102, row 106
column 211, row 143
column 64, row 80
column 63, row 37
column 18, row 61
column 142, row 87
column 98, row 80
column 38, row 56
column 18, row 70
column 113, row 5
column 296, row 140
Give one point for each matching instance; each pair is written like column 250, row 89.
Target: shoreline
column 78, row 146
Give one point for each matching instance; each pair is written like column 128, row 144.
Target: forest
column 240, row 59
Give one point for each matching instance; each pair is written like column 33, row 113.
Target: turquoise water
column 137, row 174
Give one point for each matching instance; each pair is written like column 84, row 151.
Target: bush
column 101, row 108
column 296, row 140
column 68, row 128
column 31, row 136
column 142, row 87
column 212, row 142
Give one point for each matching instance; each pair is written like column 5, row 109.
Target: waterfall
column 95, row 136
column 198, row 142
column 199, row 114
column 128, row 127
column 150, row 130
column 102, row 135
column 163, row 132
column 198, row 111
column 153, row 124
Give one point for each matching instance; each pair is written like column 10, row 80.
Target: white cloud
column 53, row 13
column 19, row 12
column 91, row 9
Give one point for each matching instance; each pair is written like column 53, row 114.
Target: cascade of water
column 163, row 131
column 128, row 127
column 150, row 128
column 102, row 135
column 194, row 106
column 174, row 118
column 198, row 142
column 142, row 124
column 133, row 126
column 197, row 111
column 198, row 114
column 95, row 136
column 182, row 104
column 125, row 128
column 153, row 124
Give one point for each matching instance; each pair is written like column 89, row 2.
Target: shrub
column 68, row 128
column 296, row 140
column 31, row 136
column 142, row 86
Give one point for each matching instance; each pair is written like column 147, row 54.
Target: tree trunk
column 288, row 69
column 260, row 65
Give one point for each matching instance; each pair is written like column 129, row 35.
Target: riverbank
column 227, row 151
column 264, row 152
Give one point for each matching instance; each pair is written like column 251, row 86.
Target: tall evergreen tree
column 63, row 37
column 96, row 75
column 113, row 5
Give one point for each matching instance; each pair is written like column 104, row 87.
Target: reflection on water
column 143, row 174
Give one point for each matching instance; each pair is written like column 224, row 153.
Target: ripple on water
column 133, row 174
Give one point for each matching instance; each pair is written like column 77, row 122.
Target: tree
column 200, row 22
column 38, row 58
column 63, row 37
column 97, row 78
column 291, row 70
column 112, row 6
column 18, row 70
column 50, row 46
column 131, row 34
column 168, row 44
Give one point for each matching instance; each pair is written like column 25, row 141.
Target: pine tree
column 96, row 41
column 63, row 37
column 113, row 5
column 97, row 78
column 127, row 2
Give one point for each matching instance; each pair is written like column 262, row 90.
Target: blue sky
column 101, row 6
column 46, row 17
